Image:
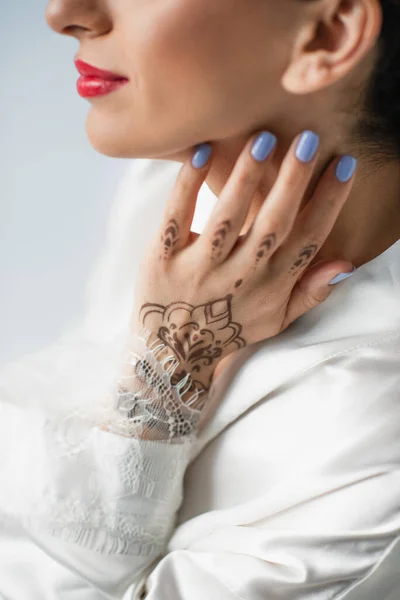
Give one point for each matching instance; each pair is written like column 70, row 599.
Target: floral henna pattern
column 266, row 245
column 197, row 335
column 170, row 238
column 305, row 256
column 218, row 244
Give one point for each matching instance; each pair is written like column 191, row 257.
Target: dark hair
column 380, row 124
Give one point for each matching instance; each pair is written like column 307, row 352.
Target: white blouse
column 289, row 488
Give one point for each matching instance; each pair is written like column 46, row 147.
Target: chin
column 114, row 141
column 111, row 142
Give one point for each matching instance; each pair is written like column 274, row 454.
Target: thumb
column 313, row 288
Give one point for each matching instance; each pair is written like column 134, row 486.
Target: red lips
column 88, row 71
column 96, row 82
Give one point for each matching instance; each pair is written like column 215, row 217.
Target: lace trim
column 114, row 494
column 76, row 460
column 155, row 409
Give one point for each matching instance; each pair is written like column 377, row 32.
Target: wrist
column 198, row 379
column 157, row 398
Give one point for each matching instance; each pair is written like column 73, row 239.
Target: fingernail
column 342, row 276
column 263, row 145
column 345, row 168
column 201, row 155
column 307, row 146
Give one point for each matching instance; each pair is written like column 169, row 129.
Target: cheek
column 176, row 49
column 199, row 71
column 200, row 67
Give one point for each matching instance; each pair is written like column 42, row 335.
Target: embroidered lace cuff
column 147, row 403
column 74, row 457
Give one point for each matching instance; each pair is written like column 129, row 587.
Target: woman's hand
column 206, row 296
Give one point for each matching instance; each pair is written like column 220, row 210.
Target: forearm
column 98, row 494
column 94, row 494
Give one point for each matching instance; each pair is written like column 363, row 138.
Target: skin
column 220, row 70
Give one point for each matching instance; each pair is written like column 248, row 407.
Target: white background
column 56, row 190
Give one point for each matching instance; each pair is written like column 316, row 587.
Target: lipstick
column 96, row 82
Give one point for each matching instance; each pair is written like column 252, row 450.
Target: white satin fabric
column 291, row 490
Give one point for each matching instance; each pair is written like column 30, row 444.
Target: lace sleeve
column 105, row 472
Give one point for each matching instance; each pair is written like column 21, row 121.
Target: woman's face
column 198, row 70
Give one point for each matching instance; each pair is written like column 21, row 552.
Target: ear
column 335, row 38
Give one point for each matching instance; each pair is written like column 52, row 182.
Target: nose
column 78, row 18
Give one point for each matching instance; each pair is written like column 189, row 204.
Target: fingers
column 317, row 218
column 226, row 221
column 313, row 288
column 180, row 207
column 276, row 217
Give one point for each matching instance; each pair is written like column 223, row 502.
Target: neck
column 369, row 222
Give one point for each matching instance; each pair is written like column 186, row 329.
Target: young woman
column 229, row 426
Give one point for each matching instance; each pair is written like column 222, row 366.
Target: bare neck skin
column 369, row 222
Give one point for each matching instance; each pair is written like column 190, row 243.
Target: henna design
column 170, row 238
column 266, row 244
column 305, row 256
column 197, row 335
column 238, row 283
column 220, row 234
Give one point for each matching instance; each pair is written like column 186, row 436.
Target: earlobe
column 306, row 75
column 340, row 39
